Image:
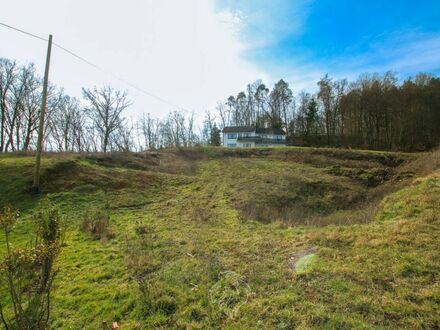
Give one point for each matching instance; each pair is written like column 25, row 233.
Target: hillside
column 238, row 239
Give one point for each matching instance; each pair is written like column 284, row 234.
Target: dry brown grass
column 423, row 164
column 97, row 223
column 295, row 217
column 162, row 162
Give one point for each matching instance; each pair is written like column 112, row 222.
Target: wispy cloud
column 302, row 40
column 405, row 52
column 263, row 23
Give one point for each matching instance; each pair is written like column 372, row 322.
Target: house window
column 232, row 136
column 247, row 145
column 232, row 144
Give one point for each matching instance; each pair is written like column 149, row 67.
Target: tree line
column 93, row 123
column 373, row 112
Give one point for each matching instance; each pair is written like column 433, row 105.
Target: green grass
column 205, row 238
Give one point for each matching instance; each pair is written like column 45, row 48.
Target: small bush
column 28, row 273
column 97, row 223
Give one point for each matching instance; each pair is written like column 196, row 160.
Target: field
column 288, row 238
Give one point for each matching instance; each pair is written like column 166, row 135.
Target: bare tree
column 224, row 114
column 325, row 94
column 281, row 99
column 66, row 124
column 7, row 79
column 208, row 124
column 261, row 99
column 22, row 108
column 31, row 110
column 148, row 128
column 123, row 137
column 104, row 108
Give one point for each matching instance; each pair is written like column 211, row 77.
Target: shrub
column 97, row 223
column 27, row 273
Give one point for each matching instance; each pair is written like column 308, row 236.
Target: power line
column 117, row 77
column 22, row 31
column 97, row 67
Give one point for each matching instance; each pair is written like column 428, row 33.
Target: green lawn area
column 286, row 238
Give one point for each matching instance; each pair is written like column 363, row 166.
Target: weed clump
column 229, row 293
column 97, row 223
column 141, row 230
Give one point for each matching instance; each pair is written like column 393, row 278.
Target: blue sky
column 300, row 40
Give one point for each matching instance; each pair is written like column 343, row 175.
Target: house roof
column 237, row 129
column 259, row 130
column 270, row 130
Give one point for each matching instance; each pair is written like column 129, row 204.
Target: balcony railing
column 260, row 140
column 249, row 139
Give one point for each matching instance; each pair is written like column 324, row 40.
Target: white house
column 251, row 136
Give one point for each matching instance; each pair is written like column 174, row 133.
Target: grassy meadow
column 285, row 238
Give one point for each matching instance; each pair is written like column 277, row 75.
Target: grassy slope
column 199, row 215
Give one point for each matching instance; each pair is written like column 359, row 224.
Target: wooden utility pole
column 36, row 184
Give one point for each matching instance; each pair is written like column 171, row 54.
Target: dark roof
column 270, row 130
column 259, row 130
column 236, row 129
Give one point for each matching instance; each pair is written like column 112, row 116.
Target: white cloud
column 263, row 23
column 182, row 51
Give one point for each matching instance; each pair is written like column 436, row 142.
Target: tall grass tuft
column 97, row 223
